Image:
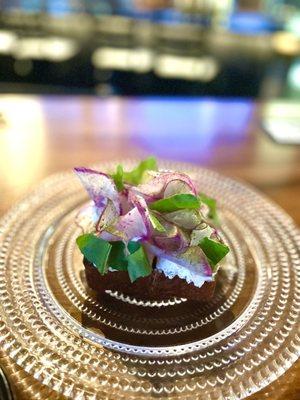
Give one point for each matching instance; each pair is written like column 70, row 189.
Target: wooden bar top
column 40, row 135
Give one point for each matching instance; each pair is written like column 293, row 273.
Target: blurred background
column 244, row 48
column 212, row 82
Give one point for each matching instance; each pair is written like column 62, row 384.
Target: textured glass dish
column 123, row 348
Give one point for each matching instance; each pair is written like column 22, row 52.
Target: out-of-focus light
column 286, row 43
column 110, row 58
column 142, row 61
column 28, row 48
column 138, row 60
column 22, row 138
column 170, row 66
column 57, row 49
column 281, row 120
column 281, row 109
column 7, row 41
column 283, row 131
column 294, row 75
column 293, row 25
column 51, row 48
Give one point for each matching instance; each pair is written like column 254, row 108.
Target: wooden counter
column 42, row 135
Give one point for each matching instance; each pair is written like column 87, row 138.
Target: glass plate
column 125, row 348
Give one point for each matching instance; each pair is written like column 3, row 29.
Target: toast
column 155, row 286
column 150, row 234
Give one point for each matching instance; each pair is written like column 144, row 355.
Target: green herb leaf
column 118, row 177
column 117, row 257
column 155, row 223
column 213, row 250
column 212, row 205
column 133, row 246
column 176, row 202
column 95, row 250
column 138, row 263
column 103, row 254
column 136, row 175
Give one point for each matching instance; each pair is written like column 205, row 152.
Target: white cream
column 109, row 268
column 190, row 275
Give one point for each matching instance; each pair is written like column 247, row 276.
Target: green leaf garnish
column 133, row 246
column 135, row 176
column 155, row 223
column 176, row 202
column 95, row 250
column 117, row 258
column 104, row 254
column 138, row 263
column 213, row 250
column 118, row 177
column 212, row 205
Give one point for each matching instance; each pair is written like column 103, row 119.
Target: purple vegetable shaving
column 154, row 189
column 99, row 186
column 172, row 234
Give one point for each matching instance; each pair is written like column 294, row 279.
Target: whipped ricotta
column 190, row 274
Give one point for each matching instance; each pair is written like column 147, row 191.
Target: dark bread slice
column 155, row 286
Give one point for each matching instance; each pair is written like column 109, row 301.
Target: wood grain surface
column 42, row 135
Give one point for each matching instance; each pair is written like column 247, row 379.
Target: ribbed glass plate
column 124, row 348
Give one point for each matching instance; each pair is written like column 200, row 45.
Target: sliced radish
column 155, row 188
column 187, row 219
column 99, row 187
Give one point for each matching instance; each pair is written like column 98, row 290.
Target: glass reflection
column 192, row 129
